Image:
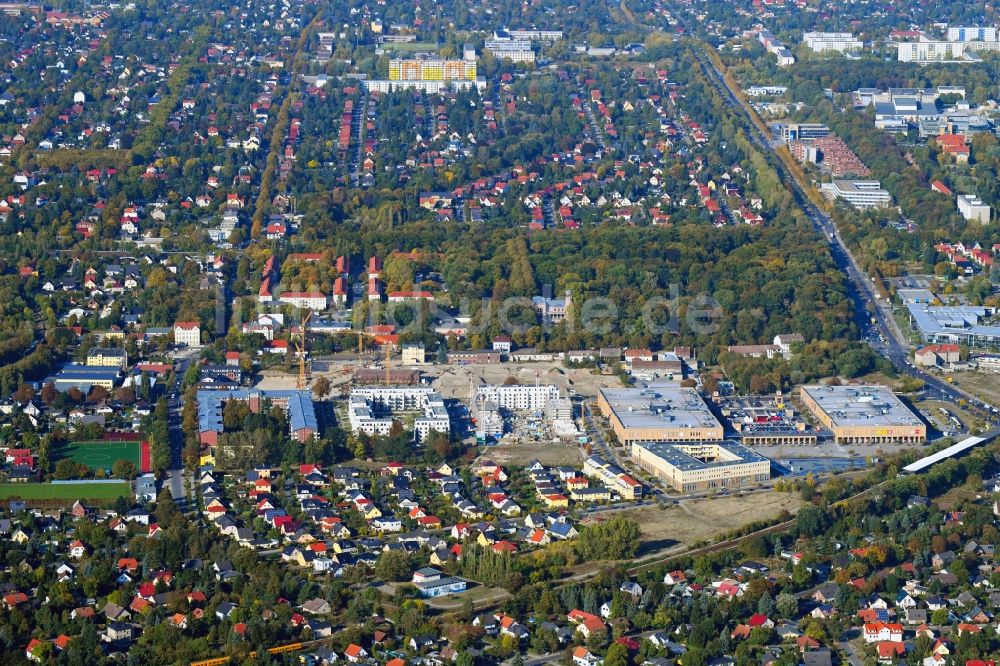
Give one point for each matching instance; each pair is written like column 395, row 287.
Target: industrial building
column 371, row 409
column 302, row 423
column 659, row 412
column 864, row 415
column 701, row 465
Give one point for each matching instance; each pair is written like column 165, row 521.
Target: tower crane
column 303, row 379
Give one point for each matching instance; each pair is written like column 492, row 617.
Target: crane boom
column 302, row 378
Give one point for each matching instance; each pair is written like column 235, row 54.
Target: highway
column 871, row 314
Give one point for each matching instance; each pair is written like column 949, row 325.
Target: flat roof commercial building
column 858, row 193
column 864, row 414
column 968, row 324
column 701, row 465
column 804, row 131
column 659, row 412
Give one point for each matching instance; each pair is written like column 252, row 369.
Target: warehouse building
column 864, row 415
column 701, row 465
column 659, row 412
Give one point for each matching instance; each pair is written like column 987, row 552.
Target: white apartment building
column 519, row 398
column 430, row 87
column 972, row 33
column 515, row 50
column 858, row 193
column 843, row 42
column 313, row 300
column 366, row 401
column 536, row 35
column 927, row 50
column 972, row 208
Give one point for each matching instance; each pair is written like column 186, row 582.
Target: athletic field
column 102, row 455
column 67, row 491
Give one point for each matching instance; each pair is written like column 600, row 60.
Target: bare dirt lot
column 679, row 526
column 453, row 381
column 984, row 384
column 548, row 453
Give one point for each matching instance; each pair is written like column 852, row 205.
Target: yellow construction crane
column 302, row 378
column 388, row 350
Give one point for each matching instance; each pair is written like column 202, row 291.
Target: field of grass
column 101, row 455
column 68, row 491
column 667, row 529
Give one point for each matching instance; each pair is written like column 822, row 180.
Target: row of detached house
column 345, row 525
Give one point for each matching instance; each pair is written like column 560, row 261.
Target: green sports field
column 101, row 455
column 67, row 491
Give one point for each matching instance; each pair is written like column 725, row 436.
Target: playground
column 103, row 454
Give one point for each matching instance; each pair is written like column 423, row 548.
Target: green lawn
column 83, row 491
column 100, row 455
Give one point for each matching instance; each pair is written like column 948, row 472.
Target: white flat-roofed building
column 658, row 412
column 371, row 409
column 804, row 131
column 868, row 414
column 430, row 87
column 701, row 465
column 519, row 397
column 515, row 50
column 771, row 43
column 820, row 42
column 964, row 324
column 536, row 35
column 927, row 50
column 972, row 208
column 858, row 193
column 959, row 33
column 313, row 300
column 766, row 91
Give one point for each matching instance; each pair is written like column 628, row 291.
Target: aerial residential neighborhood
column 641, row 333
